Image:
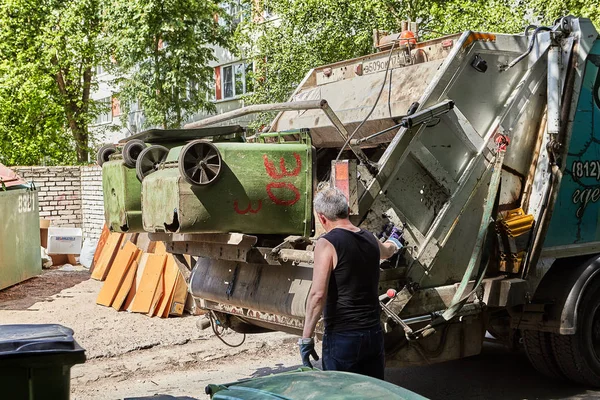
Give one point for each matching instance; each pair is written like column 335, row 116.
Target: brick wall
column 59, row 193
column 92, row 204
column 69, row 196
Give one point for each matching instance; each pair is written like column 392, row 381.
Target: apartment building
column 232, row 80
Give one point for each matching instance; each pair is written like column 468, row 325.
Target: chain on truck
column 483, row 147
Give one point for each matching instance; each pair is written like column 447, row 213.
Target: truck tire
column 578, row 355
column 538, row 346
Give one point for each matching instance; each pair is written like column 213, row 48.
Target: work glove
column 307, row 349
column 396, row 238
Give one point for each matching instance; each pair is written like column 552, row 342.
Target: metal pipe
column 240, row 112
column 419, row 319
column 344, row 133
column 365, row 139
column 288, row 106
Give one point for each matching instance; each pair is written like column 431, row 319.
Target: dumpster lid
column 311, row 384
column 21, row 340
column 9, row 178
column 170, row 135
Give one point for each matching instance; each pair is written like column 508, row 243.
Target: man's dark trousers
column 359, row 351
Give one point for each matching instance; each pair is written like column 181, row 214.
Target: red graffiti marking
column 270, row 167
column 248, row 209
column 283, row 185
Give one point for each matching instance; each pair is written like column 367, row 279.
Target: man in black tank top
column 345, row 288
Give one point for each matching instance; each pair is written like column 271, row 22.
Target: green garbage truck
column 483, row 147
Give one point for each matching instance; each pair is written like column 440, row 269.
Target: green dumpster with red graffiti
column 254, row 188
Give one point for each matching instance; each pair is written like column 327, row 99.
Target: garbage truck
column 483, row 148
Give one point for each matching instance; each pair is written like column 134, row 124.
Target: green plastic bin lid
column 31, row 339
column 307, row 383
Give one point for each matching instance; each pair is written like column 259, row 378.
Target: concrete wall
column 69, row 196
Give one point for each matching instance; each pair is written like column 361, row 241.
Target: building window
column 105, row 111
column 238, row 10
column 237, row 80
column 100, row 70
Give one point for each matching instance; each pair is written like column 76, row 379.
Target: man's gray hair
column 332, row 203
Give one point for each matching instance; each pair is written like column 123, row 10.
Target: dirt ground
column 131, row 355
column 39, row 288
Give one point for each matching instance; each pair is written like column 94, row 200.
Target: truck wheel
column 578, row 355
column 538, row 346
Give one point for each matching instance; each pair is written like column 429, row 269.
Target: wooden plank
column 179, row 296
column 171, row 272
column 132, row 237
column 108, row 255
column 125, row 288
column 160, row 248
column 101, row 242
column 149, row 283
column 118, row 270
column 145, row 244
column 158, row 295
column 142, row 260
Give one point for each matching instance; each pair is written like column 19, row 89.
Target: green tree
column 32, row 127
column 53, row 45
column 546, row 11
column 309, row 33
column 501, row 16
column 161, row 52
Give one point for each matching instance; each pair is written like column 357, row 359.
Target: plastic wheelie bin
column 36, row 361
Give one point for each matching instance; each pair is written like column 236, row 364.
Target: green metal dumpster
column 19, row 232
column 125, row 165
column 307, row 384
column 36, row 361
column 255, row 188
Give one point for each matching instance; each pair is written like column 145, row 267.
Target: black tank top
column 352, row 296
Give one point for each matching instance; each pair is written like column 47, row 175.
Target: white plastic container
column 64, row 240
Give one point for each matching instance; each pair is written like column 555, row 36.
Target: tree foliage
column 309, row 33
column 546, row 11
column 161, row 51
column 47, row 54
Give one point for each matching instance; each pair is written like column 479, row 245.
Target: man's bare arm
column 324, row 258
column 387, row 250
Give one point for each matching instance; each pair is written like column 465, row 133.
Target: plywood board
column 171, row 273
column 100, row 246
column 116, row 274
column 144, row 295
column 108, row 255
column 158, row 295
column 160, row 248
column 131, row 237
column 145, row 244
column 179, row 296
column 119, row 301
column 142, row 260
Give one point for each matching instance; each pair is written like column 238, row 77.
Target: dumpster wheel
column 149, row 160
column 200, row 163
column 132, row 151
column 104, row 153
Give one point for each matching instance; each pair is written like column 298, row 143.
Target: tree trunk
column 75, row 113
column 81, row 145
